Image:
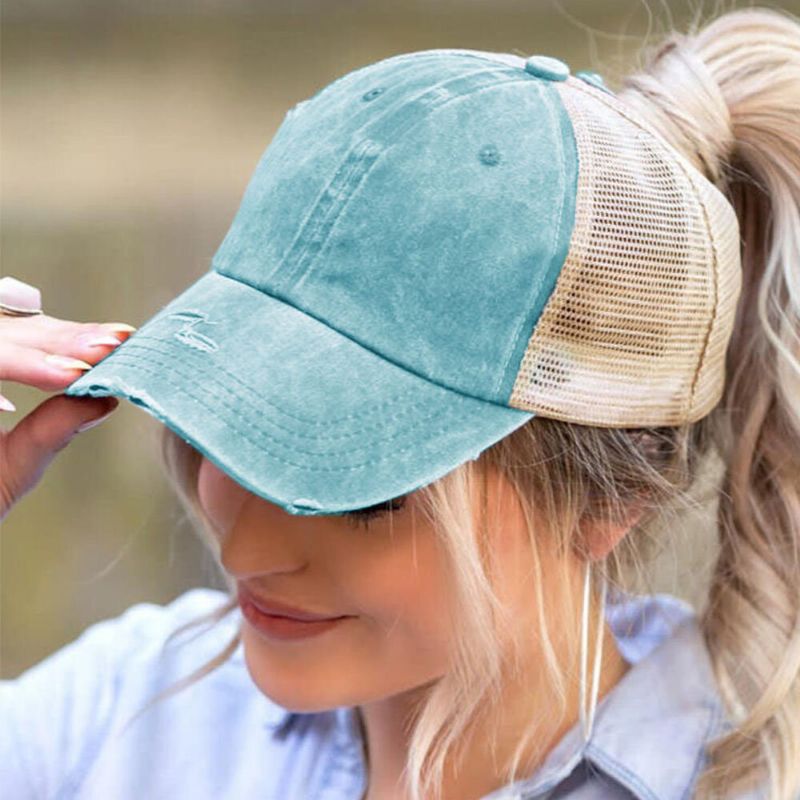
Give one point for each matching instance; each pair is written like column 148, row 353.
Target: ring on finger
column 19, row 299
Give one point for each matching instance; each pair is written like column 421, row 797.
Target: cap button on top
column 551, row 69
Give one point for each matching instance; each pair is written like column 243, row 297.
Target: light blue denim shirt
column 222, row 738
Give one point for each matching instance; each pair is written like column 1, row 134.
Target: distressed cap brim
column 293, row 410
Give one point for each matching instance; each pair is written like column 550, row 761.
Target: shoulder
column 59, row 715
column 147, row 630
column 148, row 623
column 134, row 635
column 138, row 630
column 218, row 735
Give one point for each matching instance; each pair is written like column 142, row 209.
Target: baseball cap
column 433, row 249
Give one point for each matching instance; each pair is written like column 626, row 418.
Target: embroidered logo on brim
column 189, row 334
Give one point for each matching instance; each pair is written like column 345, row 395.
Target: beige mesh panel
column 636, row 329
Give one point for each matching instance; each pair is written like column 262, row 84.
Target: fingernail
column 6, row 404
column 119, row 326
column 19, row 295
column 98, row 340
column 65, row 362
column 92, row 422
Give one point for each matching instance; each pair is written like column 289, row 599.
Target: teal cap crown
column 421, row 206
column 361, row 327
column 371, row 319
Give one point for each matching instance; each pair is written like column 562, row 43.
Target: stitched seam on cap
column 260, row 399
column 556, row 125
column 246, row 433
column 330, row 202
column 161, row 358
column 367, row 160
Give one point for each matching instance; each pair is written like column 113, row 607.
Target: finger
column 28, row 448
column 53, row 334
column 34, row 367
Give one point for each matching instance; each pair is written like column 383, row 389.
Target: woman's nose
column 260, row 541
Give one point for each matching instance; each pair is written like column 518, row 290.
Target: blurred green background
column 129, row 131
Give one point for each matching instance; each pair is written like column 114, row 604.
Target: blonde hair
column 727, row 96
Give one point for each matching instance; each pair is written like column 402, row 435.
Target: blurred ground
column 128, row 136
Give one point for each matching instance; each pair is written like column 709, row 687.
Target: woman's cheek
column 404, row 590
column 220, row 497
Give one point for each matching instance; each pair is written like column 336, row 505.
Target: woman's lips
column 284, row 628
column 278, row 609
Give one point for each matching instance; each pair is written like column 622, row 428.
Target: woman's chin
column 296, row 684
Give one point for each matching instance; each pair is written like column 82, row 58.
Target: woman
column 502, row 317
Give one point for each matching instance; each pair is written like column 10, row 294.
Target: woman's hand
column 48, row 353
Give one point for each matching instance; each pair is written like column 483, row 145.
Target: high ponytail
column 728, row 98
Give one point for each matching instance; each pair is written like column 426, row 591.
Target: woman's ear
column 601, row 536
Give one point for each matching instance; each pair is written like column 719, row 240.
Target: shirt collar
column 667, row 701
column 650, row 730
